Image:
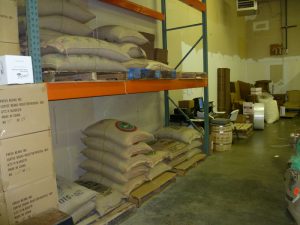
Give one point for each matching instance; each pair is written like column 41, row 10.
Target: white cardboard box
column 16, row 69
column 24, row 109
column 248, row 108
column 25, row 159
column 19, row 204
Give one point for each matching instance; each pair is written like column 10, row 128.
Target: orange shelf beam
column 72, row 90
column 135, row 8
column 140, row 86
column 195, row 4
column 69, row 90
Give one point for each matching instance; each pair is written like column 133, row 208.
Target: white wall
column 70, row 117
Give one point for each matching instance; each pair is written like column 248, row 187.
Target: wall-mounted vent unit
column 246, row 7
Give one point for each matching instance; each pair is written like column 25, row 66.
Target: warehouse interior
column 250, row 59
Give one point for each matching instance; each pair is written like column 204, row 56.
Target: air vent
column 246, row 7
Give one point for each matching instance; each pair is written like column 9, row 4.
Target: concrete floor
column 242, row 186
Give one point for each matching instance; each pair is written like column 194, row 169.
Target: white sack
column 76, row 45
column 119, row 34
column 120, row 132
column 106, row 145
column 83, row 211
column 80, row 63
column 124, row 189
column 59, row 7
column 72, row 196
column 107, row 203
column 179, row 133
column 115, row 162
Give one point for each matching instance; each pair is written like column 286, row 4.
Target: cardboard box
column 24, row 109
column 186, row 104
column 9, row 21
column 248, row 108
column 16, row 69
column 149, row 47
column 161, row 55
column 9, row 48
column 19, row 204
column 25, row 159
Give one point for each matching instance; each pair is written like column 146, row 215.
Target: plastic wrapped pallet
column 120, row 132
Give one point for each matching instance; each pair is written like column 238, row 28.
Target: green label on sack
column 127, row 127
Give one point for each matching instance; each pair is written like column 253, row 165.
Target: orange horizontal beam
column 195, row 4
column 140, row 86
column 71, row 90
column 136, row 8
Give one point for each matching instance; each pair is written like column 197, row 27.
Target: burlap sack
column 119, row 34
column 119, row 132
column 157, row 170
column 179, row 133
column 124, row 189
column 80, row 63
column 117, row 163
column 59, row 7
column 109, row 172
column 76, row 45
column 106, row 145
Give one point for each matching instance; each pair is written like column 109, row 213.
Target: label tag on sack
column 126, row 127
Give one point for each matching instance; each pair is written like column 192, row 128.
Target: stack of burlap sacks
column 68, row 44
column 118, row 157
column 179, row 143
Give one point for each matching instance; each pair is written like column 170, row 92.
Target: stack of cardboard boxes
column 27, row 178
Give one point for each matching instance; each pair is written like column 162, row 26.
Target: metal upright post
column 33, row 38
column 165, row 46
column 205, row 69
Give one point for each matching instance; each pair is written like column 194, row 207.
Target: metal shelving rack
column 201, row 6
column 73, row 90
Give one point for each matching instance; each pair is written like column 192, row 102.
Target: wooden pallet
column 244, row 130
column 184, row 167
column 151, row 188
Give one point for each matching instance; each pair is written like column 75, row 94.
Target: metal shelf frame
column 201, row 6
column 34, row 44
